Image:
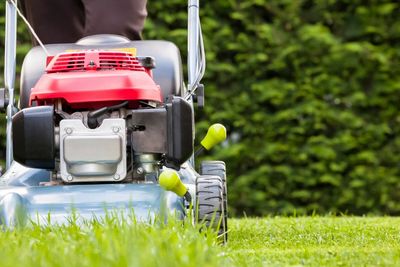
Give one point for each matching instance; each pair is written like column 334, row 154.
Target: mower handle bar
column 9, row 73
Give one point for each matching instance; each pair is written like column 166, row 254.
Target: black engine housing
column 33, row 137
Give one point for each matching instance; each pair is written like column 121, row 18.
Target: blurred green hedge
column 309, row 92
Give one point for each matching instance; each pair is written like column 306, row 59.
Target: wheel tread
column 218, row 168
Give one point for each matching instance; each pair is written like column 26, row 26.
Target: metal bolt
column 77, row 115
column 115, row 129
column 140, row 170
column 69, row 178
column 116, row 177
column 68, row 130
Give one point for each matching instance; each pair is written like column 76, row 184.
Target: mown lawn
column 279, row 241
column 317, row 241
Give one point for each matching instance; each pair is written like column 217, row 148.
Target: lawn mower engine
column 98, row 116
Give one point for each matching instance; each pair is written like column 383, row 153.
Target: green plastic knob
column 170, row 181
column 215, row 135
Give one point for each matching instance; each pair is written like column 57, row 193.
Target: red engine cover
column 91, row 79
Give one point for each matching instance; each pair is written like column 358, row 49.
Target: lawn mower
column 104, row 124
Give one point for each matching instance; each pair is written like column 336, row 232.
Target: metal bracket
column 199, row 96
column 3, row 100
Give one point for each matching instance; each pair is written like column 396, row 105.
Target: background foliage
column 309, row 92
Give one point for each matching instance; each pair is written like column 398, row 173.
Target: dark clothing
column 66, row 21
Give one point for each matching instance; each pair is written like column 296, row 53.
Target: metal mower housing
column 97, row 160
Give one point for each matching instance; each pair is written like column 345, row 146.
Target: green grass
column 316, row 241
column 280, row 241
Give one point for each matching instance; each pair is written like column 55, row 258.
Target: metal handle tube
column 193, row 40
column 9, row 72
column 193, row 47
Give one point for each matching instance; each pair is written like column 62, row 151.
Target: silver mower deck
column 23, row 199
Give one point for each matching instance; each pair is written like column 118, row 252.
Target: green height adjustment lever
column 215, row 135
column 170, row 181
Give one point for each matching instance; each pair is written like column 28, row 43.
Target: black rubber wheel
column 209, row 204
column 218, row 168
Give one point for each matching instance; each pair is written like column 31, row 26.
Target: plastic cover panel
column 92, row 155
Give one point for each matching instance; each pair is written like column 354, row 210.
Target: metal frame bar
column 193, row 48
column 9, row 72
column 193, row 40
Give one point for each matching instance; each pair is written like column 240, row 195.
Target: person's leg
column 55, row 21
column 122, row 17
